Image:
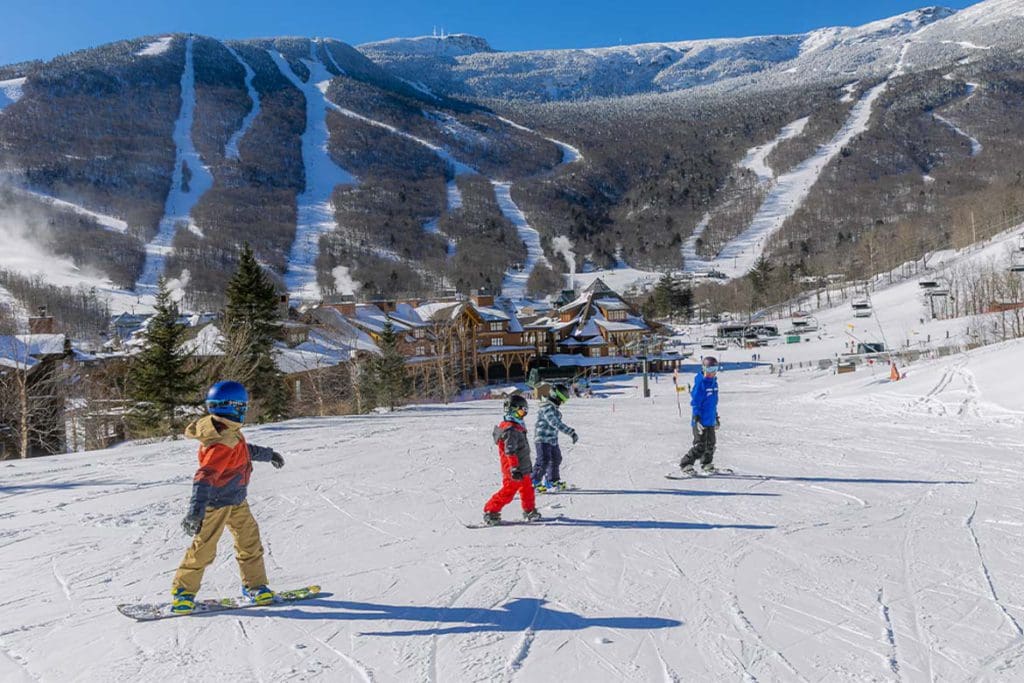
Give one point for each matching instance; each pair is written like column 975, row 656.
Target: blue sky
column 41, row 29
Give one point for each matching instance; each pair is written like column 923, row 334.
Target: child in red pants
column 514, row 450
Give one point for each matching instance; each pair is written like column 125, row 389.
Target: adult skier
column 218, row 498
column 704, row 406
column 514, row 452
column 549, row 455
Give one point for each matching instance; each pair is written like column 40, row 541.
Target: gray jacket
column 512, row 442
column 549, row 423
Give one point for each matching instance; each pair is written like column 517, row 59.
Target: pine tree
column 387, row 382
column 251, row 326
column 163, row 378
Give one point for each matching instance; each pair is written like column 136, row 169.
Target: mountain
column 416, row 164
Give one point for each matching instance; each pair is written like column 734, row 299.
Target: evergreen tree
column 386, row 382
column 251, row 326
column 163, row 378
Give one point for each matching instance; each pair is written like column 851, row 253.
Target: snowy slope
column 10, row 91
column 184, row 194
column 231, row 149
column 867, row 537
column 514, row 285
column 739, row 255
column 315, row 210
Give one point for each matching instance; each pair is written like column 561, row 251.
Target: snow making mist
column 344, row 283
column 563, row 246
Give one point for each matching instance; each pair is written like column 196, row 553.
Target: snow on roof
column 428, row 311
column 613, row 326
column 207, row 344
column 492, row 314
column 612, row 304
column 341, row 332
column 44, row 344
column 589, row 330
column 15, row 354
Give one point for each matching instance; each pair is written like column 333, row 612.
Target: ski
column 512, row 522
column 162, row 610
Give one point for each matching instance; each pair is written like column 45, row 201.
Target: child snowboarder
column 218, row 498
column 514, row 451
column 549, row 456
column 704, row 404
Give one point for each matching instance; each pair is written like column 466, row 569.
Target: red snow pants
column 509, row 488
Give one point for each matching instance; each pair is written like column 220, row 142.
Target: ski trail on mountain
column 231, row 149
column 108, row 223
column 315, row 209
column 11, row 91
column 691, row 261
column 756, row 159
column 570, row 154
column 185, row 192
column 790, row 190
column 976, row 146
column 514, row 285
column 455, row 168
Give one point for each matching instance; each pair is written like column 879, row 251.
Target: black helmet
column 516, row 402
column 559, row 394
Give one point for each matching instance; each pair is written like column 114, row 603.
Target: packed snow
column 315, row 209
column 740, row 254
column 871, row 533
column 157, row 47
column 231, row 149
column 185, row 192
column 570, row 154
column 11, row 91
column 514, row 285
column 756, row 159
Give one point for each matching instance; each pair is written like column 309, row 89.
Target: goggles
column 236, row 407
column 710, row 369
column 518, row 412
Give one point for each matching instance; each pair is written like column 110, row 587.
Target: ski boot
column 182, row 602
column 261, row 595
column 688, row 470
column 492, row 518
column 532, row 515
column 540, row 487
column 560, row 485
column 709, row 468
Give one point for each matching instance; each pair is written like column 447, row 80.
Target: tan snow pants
column 248, row 548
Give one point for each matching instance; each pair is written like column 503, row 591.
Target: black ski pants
column 703, row 447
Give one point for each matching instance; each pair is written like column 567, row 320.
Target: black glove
column 574, row 436
column 192, row 524
column 276, row 460
column 516, row 474
column 718, row 421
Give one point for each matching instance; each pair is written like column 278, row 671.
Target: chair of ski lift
column 1017, row 262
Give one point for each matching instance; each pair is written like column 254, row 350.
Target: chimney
column 482, row 298
column 42, row 323
column 342, row 303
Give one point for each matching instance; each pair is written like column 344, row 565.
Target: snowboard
column 162, row 610
column 696, row 474
column 570, row 487
column 512, row 522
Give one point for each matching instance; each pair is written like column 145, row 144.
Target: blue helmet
column 228, row 399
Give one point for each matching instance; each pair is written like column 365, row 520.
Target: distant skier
column 549, row 454
column 514, row 452
column 218, row 498
column 704, row 404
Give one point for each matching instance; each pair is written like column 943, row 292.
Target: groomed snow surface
column 872, row 533
column 514, row 285
column 231, row 149
column 10, row 91
column 184, row 195
column 315, row 209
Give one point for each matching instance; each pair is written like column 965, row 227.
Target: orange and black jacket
column 225, row 463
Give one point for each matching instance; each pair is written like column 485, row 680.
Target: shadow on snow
column 845, row 480
column 655, row 524
column 514, row 616
column 661, row 492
